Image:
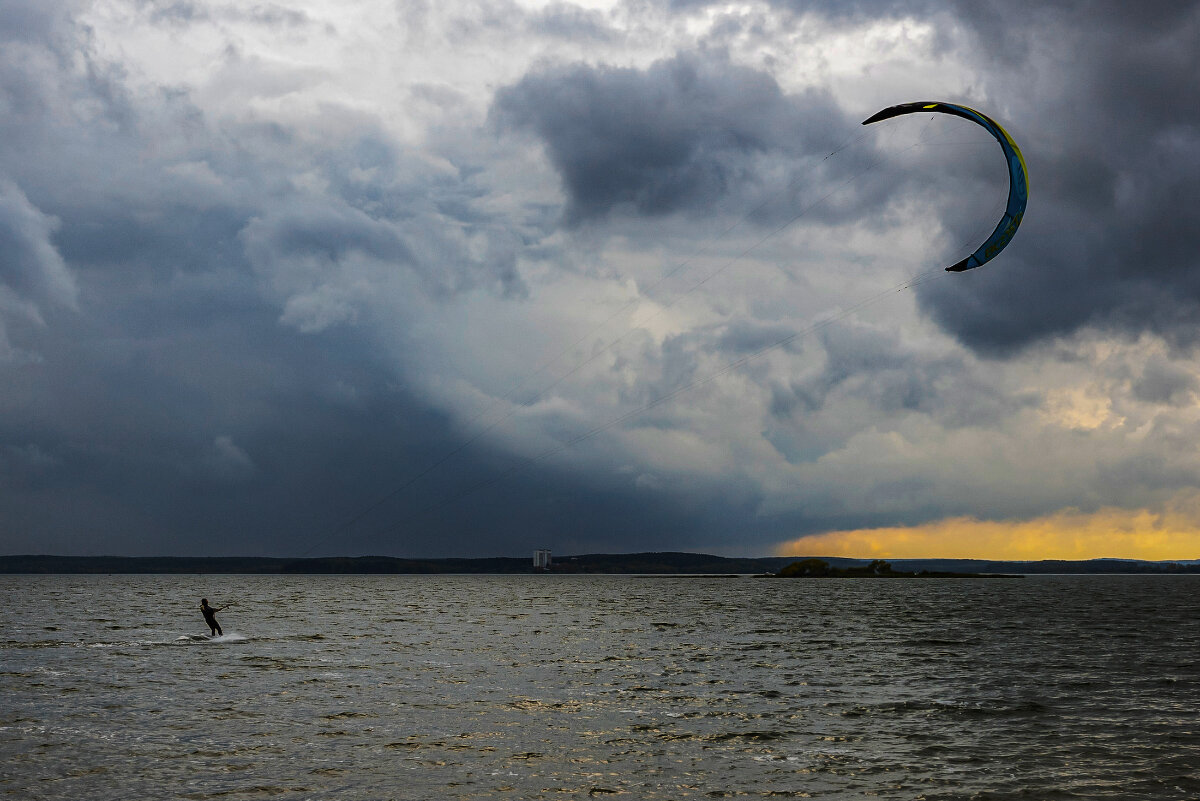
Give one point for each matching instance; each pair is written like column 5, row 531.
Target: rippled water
column 452, row 687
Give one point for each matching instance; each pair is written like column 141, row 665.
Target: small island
column 878, row 568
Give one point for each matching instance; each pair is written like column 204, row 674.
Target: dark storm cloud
column 206, row 380
column 840, row 10
column 185, row 12
column 191, row 394
column 677, row 136
column 1103, row 99
column 1164, row 382
column 1112, row 139
column 168, row 410
column 867, row 365
column 570, row 22
column 244, row 439
column 325, row 233
column 29, row 263
column 744, row 337
column 175, row 11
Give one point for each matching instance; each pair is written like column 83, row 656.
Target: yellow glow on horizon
column 1067, row 534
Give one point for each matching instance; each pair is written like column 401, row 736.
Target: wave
column 221, row 639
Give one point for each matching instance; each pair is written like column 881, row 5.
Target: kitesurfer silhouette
column 210, row 616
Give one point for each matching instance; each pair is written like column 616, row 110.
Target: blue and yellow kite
column 1018, row 187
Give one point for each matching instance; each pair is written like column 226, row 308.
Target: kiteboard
column 228, row 637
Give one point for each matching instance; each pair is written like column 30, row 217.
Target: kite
column 1018, row 187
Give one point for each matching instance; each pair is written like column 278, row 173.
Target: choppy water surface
column 456, row 687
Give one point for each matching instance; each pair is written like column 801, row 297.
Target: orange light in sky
column 1067, row 534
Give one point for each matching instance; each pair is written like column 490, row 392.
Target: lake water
column 559, row 687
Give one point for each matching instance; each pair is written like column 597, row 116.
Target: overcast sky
column 470, row 278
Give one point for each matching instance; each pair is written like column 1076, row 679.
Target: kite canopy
column 1018, row 187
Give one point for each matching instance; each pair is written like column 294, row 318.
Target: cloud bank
column 470, row 280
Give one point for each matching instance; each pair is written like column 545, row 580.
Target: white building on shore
column 541, row 559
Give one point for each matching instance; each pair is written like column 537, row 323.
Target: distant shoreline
column 875, row 569
column 650, row 563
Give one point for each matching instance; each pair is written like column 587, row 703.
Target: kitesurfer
column 210, row 616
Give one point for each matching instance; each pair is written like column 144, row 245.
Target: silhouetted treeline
column 876, row 568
